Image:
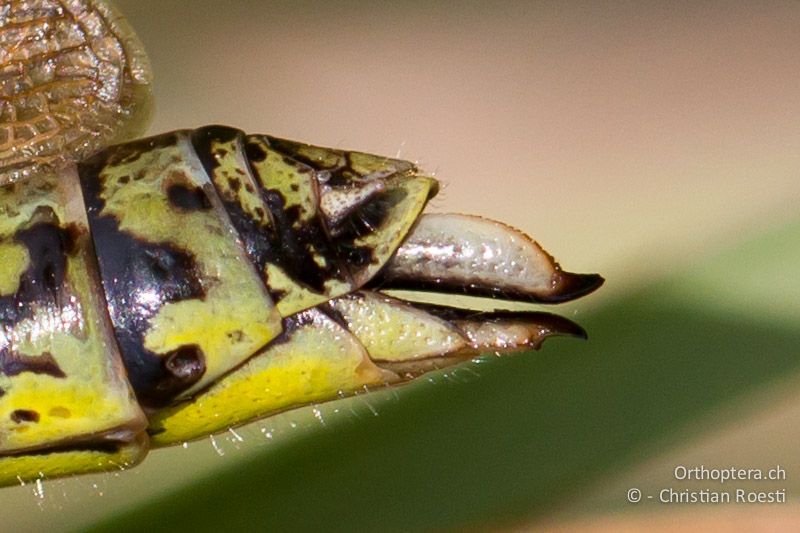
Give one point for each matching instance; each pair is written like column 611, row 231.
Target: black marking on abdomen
column 365, row 219
column 139, row 277
column 283, row 241
column 185, row 366
column 127, row 153
column 41, row 287
column 338, row 175
column 357, row 256
column 12, row 364
column 47, row 245
column 187, row 198
column 259, row 239
column 24, row 415
column 298, row 240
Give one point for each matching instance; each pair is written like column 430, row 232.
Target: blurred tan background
column 611, row 132
column 628, row 138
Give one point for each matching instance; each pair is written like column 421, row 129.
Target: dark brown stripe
column 109, row 447
column 554, row 323
column 567, row 287
column 12, row 364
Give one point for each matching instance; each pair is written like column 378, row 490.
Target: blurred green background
column 657, row 145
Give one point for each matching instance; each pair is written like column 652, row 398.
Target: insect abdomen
column 204, row 241
column 207, row 238
column 236, row 273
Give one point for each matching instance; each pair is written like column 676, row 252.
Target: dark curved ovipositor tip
column 558, row 325
column 569, row 286
column 547, row 324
